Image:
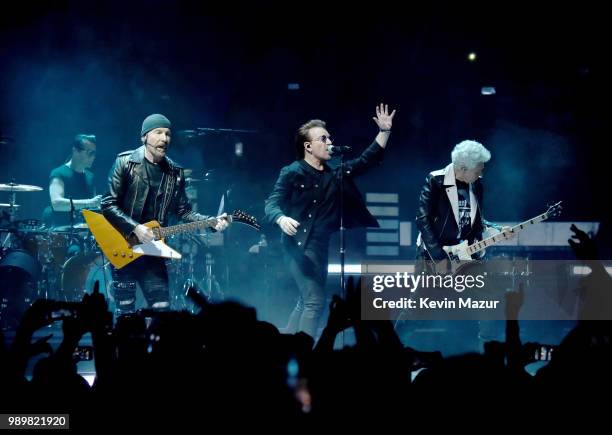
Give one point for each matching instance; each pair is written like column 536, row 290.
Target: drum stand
column 180, row 299
column 212, row 289
column 48, row 283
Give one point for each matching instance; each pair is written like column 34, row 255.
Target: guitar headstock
column 554, row 210
column 243, row 218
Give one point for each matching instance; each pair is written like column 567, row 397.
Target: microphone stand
column 342, row 229
column 342, row 150
column 342, row 239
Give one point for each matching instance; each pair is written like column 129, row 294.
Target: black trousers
column 309, row 270
column 151, row 274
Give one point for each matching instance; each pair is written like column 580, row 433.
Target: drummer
column 71, row 185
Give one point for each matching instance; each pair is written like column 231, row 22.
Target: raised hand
column 584, row 247
column 339, row 317
column 39, row 346
column 383, row 119
column 37, row 316
column 514, row 302
column 94, row 310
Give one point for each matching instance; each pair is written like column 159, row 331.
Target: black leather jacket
column 128, row 187
column 435, row 219
column 296, row 195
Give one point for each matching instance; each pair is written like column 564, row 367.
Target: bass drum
column 80, row 274
column 19, row 272
column 20, row 263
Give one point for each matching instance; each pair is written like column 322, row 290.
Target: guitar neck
column 184, row 228
column 490, row 241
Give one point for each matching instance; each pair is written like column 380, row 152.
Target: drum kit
column 37, row 261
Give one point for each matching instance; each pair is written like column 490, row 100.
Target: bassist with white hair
column 450, row 203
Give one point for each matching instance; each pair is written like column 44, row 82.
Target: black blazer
column 294, row 195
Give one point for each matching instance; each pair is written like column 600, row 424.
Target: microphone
column 337, row 149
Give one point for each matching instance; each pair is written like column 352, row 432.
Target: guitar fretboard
column 183, row 228
column 485, row 243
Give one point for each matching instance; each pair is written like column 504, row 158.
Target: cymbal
column 5, row 205
column 64, row 228
column 192, row 180
column 14, row 187
column 6, row 140
column 187, row 172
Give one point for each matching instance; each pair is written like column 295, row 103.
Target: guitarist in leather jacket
column 450, row 203
column 144, row 185
column 450, row 211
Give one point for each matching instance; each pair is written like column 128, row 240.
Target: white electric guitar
column 461, row 254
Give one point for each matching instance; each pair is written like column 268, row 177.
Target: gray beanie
column 154, row 121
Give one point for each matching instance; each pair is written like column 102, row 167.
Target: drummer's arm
column 60, row 203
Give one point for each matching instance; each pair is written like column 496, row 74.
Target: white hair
column 470, row 153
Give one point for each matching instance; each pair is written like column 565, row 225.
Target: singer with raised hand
column 305, row 205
